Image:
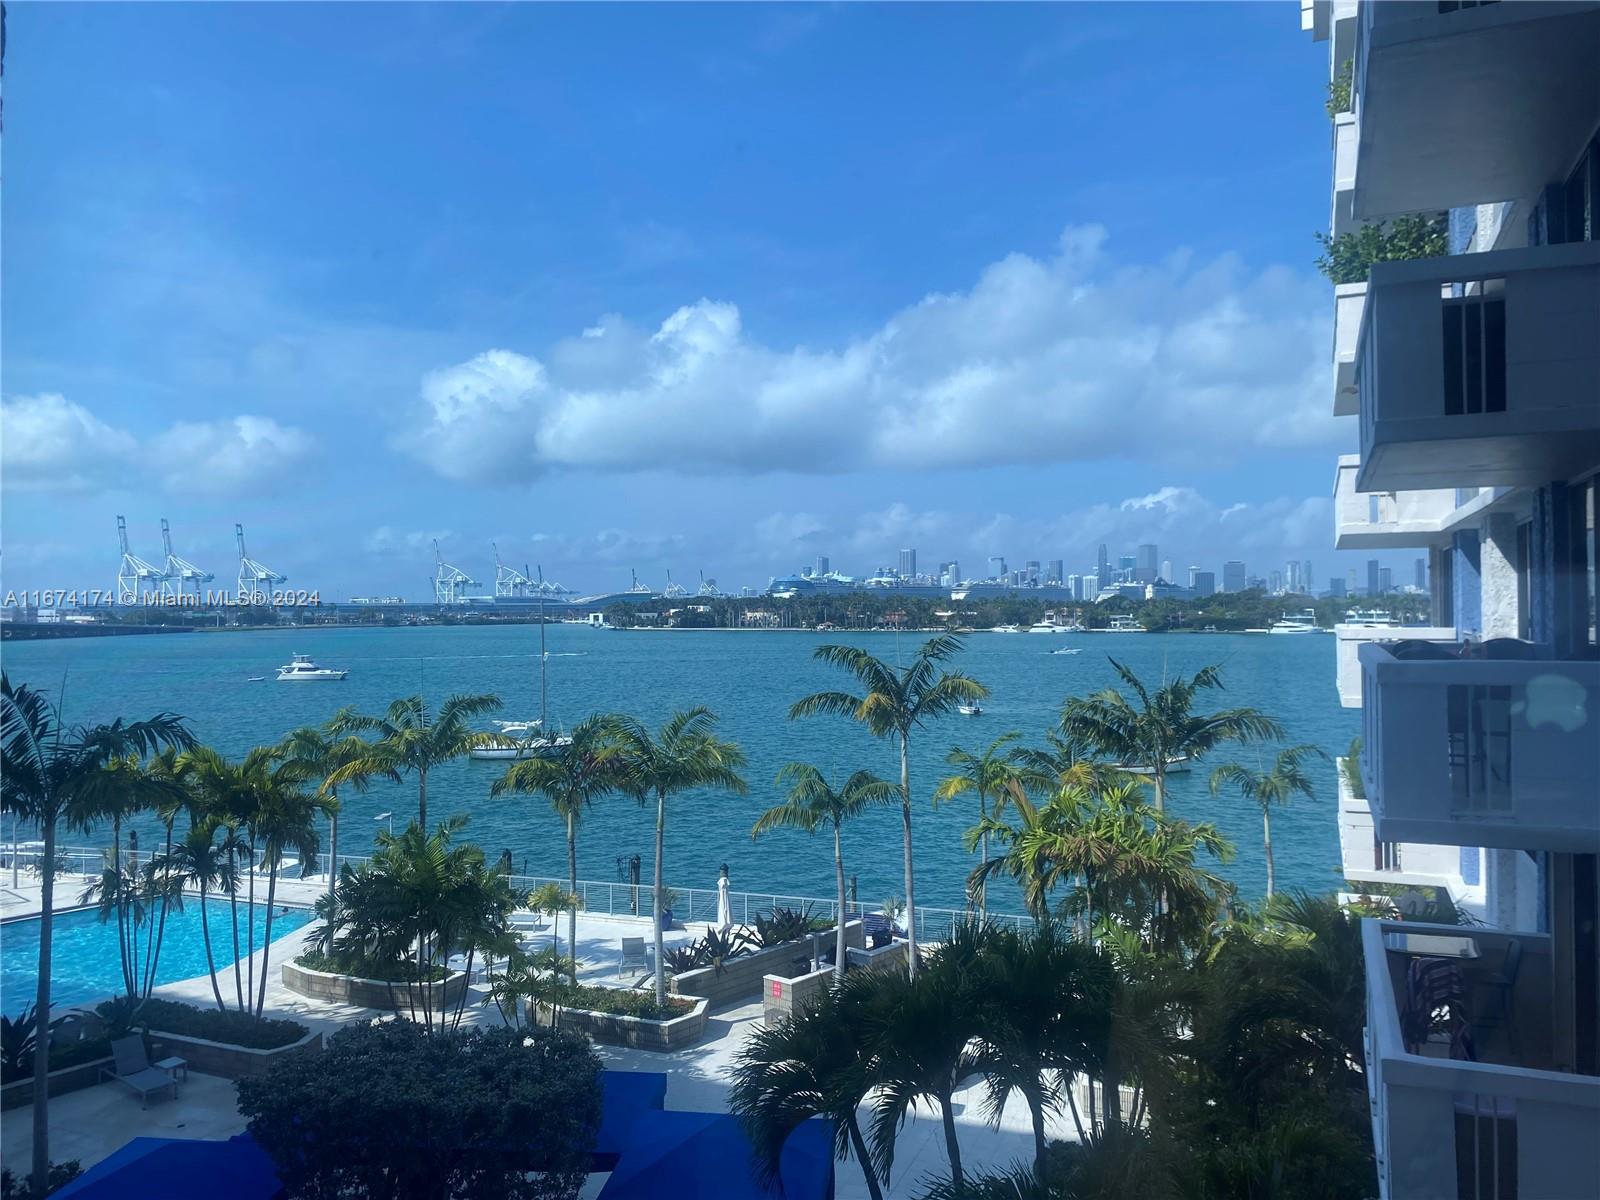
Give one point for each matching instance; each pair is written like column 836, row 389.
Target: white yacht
column 1122, row 624
column 1369, row 618
column 1304, row 622
column 520, row 739
column 303, row 670
column 1006, row 629
column 970, row 710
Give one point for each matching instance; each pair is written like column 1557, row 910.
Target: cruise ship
column 1472, row 384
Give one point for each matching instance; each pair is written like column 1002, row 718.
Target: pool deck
column 91, row 1124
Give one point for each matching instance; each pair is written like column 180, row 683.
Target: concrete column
column 1465, row 593
column 1497, row 567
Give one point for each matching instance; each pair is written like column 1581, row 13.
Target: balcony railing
column 1480, row 369
column 1509, row 1125
column 1386, row 520
column 1366, row 858
column 1474, row 751
column 1435, row 84
column 1352, row 637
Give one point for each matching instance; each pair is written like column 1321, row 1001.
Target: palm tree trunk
column 250, row 932
column 572, row 884
column 1036, row 1110
column 951, row 1146
column 860, row 1145
column 41, row 1017
column 661, row 825
column 422, row 798
column 211, row 962
column 983, row 882
column 838, row 877
column 333, row 849
column 233, row 906
column 1266, row 839
column 911, row 883
column 266, row 939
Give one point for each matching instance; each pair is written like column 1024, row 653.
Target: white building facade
column 1473, row 381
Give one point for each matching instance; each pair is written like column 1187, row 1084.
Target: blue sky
column 694, row 288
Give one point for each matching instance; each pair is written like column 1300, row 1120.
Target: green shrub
column 624, row 1003
column 1352, row 770
column 1348, row 258
column 232, row 1028
column 1339, row 89
column 13, row 1187
column 401, row 971
column 61, row 1057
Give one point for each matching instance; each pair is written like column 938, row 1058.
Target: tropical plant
column 198, row 862
column 52, row 775
column 813, row 804
column 1339, row 88
column 1161, row 728
column 814, row 1063
column 571, row 780
column 683, row 755
column 552, row 899
column 1286, row 780
column 332, row 761
column 57, row 1177
column 18, row 1036
column 894, row 701
column 386, row 1111
column 406, row 741
column 1348, row 258
column 995, row 773
column 1351, row 766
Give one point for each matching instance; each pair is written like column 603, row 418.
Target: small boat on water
column 1303, row 622
column 303, row 670
column 518, row 740
column 1178, row 765
column 1068, row 650
column 1006, row 629
column 970, row 710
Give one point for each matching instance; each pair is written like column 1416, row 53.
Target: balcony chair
column 1504, row 986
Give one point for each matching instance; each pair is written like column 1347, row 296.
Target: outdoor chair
column 1504, row 986
column 131, row 1066
column 633, row 952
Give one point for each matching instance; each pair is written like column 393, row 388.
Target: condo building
column 1473, row 383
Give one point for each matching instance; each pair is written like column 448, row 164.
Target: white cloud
column 51, row 444
column 1063, row 358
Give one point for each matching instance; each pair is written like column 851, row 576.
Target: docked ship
column 1303, row 622
column 303, row 670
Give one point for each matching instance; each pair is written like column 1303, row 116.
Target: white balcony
column 1480, row 369
column 1386, row 520
column 1350, row 639
column 1365, row 858
column 1512, row 1123
column 1345, row 136
column 1432, row 90
column 1481, row 751
column 1349, row 302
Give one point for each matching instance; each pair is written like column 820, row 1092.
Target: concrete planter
column 19, row 1092
column 226, row 1060
column 783, row 997
column 740, row 978
column 638, row 1032
column 372, row 993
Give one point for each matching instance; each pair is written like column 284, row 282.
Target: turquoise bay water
column 86, row 964
column 749, row 679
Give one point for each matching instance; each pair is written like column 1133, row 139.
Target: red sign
column 777, row 989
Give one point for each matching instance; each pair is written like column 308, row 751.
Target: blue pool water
column 85, row 963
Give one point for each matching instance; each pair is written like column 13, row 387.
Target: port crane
column 708, row 587
column 181, row 578
column 508, row 581
column 674, row 591
column 137, row 580
column 256, row 581
column 450, row 583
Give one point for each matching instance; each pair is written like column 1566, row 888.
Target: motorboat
column 1179, row 764
column 1006, row 629
column 303, row 670
column 1068, row 650
column 1303, row 622
column 973, row 709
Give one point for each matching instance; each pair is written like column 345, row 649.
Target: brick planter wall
column 68, row 1079
column 370, row 993
column 741, row 977
column 229, row 1061
column 638, row 1032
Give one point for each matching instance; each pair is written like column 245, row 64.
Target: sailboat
column 513, row 740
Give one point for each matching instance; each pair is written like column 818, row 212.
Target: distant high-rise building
column 949, row 573
column 1291, row 576
column 908, row 564
column 1202, row 583
column 1102, row 571
column 1374, row 583
column 821, row 565
column 1275, row 583
column 1385, row 581
column 1053, row 574
column 1351, row 588
column 1166, row 570
column 1233, row 577
column 1422, row 574
column 1336, row 587
column 1030, row 570
column 1147, row 555
column 1305, row 577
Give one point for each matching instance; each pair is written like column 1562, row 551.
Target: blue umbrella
column 180, row 1169
column 626, row 1096
column 706, row 1156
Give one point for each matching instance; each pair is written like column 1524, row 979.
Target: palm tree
column 814, row 1063
column 572, row 779
column 335, row 760
column 50, row 774
column 685, row 754
column 895, row 701
column 1160, row 728
column 199, row 862
column 1283, row 783
column 812, row 804
column 284, row 818
column 995, row 773
column 407, row 741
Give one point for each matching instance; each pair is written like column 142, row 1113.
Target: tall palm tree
column 812, row 1064
column 685, row 754
column 50, row 774
column 284, row 817
column 1286, row 780
column 199, row 862
column 894, row 701
column 995, row 773
column 1161, row 727
column 334, row 760
column 407, row 741
column 812, row 804
column 571, row 779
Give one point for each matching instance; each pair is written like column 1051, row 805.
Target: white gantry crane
column 256, row 582
column 137, row 581
column 450, row 584
column 708, row 587
column 181, row 578
column 674, row 591
column 508, row 581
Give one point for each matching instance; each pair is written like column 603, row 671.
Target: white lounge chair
column 131, row 1066
column 633, row 951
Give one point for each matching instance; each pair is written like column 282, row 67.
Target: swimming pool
column 85, row 964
